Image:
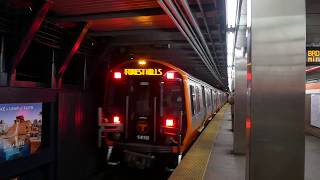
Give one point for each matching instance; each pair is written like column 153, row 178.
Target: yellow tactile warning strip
column 193, row 165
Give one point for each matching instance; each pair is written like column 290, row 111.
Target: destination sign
column 313, row 57
column 143, row 72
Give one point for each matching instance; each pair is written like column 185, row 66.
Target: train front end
column 144, row 111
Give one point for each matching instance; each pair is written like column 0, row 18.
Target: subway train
column 152, row 110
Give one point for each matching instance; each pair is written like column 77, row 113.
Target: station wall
column 312, row 112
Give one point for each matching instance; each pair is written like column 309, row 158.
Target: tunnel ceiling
column 149, row 28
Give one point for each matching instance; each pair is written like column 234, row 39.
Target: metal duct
column 184, row 26
column 197, row 28
column 207, row 27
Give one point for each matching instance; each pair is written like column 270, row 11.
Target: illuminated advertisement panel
column 20, row 130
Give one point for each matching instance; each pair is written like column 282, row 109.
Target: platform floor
column 223, row 164
column 312, row 158
column 213, row 158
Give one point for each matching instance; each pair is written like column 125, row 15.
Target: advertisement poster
column 20, row 130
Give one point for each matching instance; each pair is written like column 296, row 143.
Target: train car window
column 193, row 99
column 210, row 94
column 204, row 97
column 198, row 99
column 208, row 97
column 214, row 99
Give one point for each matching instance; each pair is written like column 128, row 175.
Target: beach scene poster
column 20, row 130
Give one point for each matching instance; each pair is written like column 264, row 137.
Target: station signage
column 313, row 56
column 143, row 72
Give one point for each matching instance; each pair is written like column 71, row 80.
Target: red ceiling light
column 169, row 123
column 170, row 75
column 117, row 75
column 116, row 120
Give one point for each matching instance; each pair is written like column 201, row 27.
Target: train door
column 142, row 111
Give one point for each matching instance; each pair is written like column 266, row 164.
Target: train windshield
column 141, row 93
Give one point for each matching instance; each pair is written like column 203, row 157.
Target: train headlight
column 142, row 62
column 116, row 120
column 169, row 123
column 117, row 75
column 170, row 75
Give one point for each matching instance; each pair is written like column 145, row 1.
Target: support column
column 277, row 90
column 53, row 70
column 240, row 99
column 3, row 74
column 239, row 133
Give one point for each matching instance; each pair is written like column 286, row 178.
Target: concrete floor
column 312, row 158
column 223, row 165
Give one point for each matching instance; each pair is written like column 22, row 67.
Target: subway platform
column 211, row 155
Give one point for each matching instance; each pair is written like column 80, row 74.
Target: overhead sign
column 313, row 57
column 143, row 72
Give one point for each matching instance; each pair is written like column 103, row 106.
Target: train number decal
column 142, row 137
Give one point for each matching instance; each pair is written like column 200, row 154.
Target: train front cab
column 154, row 108
column 144, row 111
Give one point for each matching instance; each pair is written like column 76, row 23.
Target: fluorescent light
column 248, row 13
column 231, row 10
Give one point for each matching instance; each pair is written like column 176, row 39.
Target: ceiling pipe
column 192, row 38
column 183, row 30
column 184, row 25
column 207, row 27
column 173, row 13
column 189, row 27
column 197, row 28
column 194, row 34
